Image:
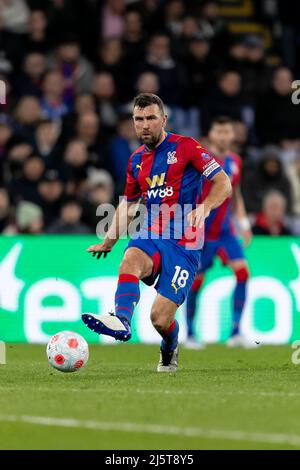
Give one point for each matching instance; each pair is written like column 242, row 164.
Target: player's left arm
column 221, row 187
column 239, row 211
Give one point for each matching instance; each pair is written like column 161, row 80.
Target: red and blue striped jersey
column 171, row 174
column 220, row 219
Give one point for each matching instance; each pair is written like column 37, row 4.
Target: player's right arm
column 124, row 214
column 240, row 212
column 122, row 218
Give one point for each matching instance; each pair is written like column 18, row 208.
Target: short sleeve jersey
column 172, row 174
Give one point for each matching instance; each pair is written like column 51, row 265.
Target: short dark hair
column 71, row 200
column 221, row 120
column 146, row 99
column 223, row 72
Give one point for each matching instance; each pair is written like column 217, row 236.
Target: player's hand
column 247, row 237
column 99, row 250
column 197, row 217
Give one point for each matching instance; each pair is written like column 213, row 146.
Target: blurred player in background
column 166, row 170
column 221, row 238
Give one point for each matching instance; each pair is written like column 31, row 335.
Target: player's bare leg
column 136, row 265
column 163, row 319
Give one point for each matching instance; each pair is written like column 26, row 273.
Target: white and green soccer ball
column 67, row 351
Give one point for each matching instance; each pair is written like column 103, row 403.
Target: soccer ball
column 67, row 351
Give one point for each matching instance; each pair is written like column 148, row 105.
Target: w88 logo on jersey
column 162, row 192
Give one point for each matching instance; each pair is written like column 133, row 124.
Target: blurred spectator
column 271, row 220
column 99, row 190
column 255, row 73
column 6, row 133
column 46, row 141
column 52, row 103
column 277, row 118
column 267, row 175
column 88, row 129
column 5, row 209
column 105, row 92
column 173, row 15
column 190, row 29
column 6, row 59
column 28, row 115
column 14, row 16
column 19, row 150
column 289, row 16
column 223, row 100
column 51, row 192
column 241, row 138
column 29, row 218
column 111, row 54
column 84, row 103
column 133, row 39
column 74, row 165
column 13, row 24
column 37, row 39
column 121, row 147
column 26, row 186
column 214, row 27
column 147, row 82
column 30, row 82
column 67, row 15
column 112, row 18
column 5, row 64
column 293, row 173
column 152, row 15
column 112, row 59
column 70, row 219
column 159, row 61
column 200, row 67
column 236, row 54
column 75, row 69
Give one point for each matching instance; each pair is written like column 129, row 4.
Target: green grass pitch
column 219, row 399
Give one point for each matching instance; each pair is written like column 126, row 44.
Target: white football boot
column 240, row 341
column 108, row 324
column 168, row 361
column 191, row 343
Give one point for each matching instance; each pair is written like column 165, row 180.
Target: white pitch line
column 290, row 439
column 169, row 392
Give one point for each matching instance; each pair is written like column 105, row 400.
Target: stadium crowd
column 72, row 68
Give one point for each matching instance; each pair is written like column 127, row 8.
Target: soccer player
column 220, row 234
column 166, row 171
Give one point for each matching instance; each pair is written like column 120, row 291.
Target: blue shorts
column 227, row 248
column 174, row 267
